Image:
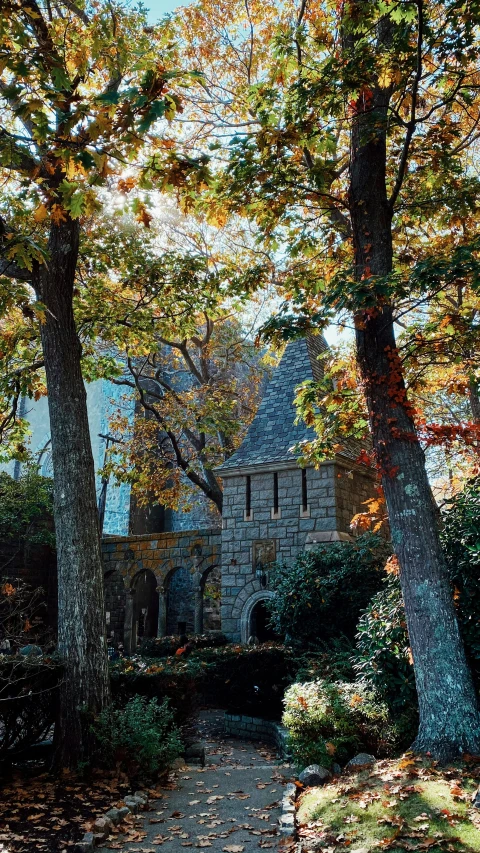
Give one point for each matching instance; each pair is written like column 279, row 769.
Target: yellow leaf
column 40, row 213
column 58, row 214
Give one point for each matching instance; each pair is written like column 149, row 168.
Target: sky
column 161, row 7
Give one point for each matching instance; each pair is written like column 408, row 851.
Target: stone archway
column 248, row 611
column 144, row 594
column 210, row 593
column 180, row 602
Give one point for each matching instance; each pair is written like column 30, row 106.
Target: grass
column 407, row 804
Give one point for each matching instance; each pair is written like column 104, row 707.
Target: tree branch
column 412, row 123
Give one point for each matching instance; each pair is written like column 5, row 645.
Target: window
column 275, row 511
column 248, row 498
column 304, row 490
column 304, row 507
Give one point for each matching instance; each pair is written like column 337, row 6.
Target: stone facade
column 154, row 584
column 206, row 577
column 335, row 492
column 272, row 510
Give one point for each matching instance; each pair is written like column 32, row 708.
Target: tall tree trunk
column 449, row 715
column 474, row 398
column 81, row 616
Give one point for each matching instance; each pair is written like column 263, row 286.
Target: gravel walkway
column 232, row 804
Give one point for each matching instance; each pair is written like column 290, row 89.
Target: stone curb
column 256, row 728
column 287, row 817
column 104, row 824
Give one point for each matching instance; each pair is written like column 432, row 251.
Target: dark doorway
column 145, row 606
column 260, row 624
column 180, row 602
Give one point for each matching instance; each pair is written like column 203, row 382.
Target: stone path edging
column 287, row 818
column 103, row 825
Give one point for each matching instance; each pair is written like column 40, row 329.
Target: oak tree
column 346, row 128
column 82, row 86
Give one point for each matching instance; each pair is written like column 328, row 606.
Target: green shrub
column 240, row 679
column 159, row 647
column 383, row 656
column 461, row 543
column 141, row 736
column 26, row 508
column 330, row 722
column 323, row 592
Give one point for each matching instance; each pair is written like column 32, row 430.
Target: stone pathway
column 232, row 804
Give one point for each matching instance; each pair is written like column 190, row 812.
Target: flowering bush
column 329, row 722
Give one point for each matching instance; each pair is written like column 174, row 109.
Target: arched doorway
column 180, row 602
column 260, row 623
column 255, row 618
column 145, row 606
column 211, row 588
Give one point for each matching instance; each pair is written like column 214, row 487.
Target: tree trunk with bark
column 449, row 714
column 81, row 615
column 474, row 398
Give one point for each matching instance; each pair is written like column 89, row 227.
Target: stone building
column 273, row 509
column 205, row 579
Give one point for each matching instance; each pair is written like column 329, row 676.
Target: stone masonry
column 272, row 511
column 134, row 559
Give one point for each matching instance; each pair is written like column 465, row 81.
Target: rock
column 102, row 829
column 86, row 845
column 141, row 795
column 195, row 754
column 132, row 804
column 336, row 769
column 314, row 775
column 287, row 824
column 363, row 759
column 123, row 812
column 114, row 815
column 476, row 799
column 290, row 792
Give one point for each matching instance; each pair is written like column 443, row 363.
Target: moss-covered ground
column 406, row 804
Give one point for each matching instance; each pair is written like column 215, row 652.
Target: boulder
column 363, row 759
column 86, row 845
column 195, row 754
column 123, row 812
column 476, row 799
column 114, row 815
column 102, row 827
column 132, row 804
column 336, row 769
column 314, row 775
column 142, row 796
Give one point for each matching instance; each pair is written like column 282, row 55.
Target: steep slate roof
column 273, row 431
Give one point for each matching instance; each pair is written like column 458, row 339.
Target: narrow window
column 248, row 495
column 304, row 490
column 275, row 493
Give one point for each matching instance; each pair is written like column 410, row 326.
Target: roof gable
column 273, row 432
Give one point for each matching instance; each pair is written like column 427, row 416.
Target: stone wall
column 166, row 558
column 255, row 728
column 334, row 494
